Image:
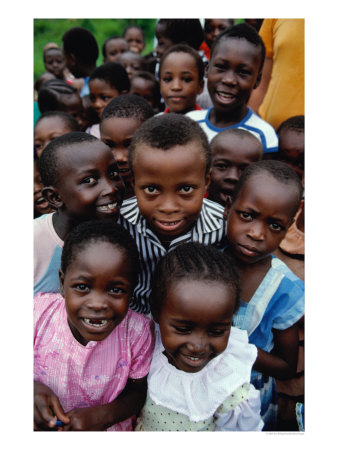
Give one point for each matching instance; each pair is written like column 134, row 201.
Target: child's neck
column 221, row 119
column 63, row 224
column 251, row 275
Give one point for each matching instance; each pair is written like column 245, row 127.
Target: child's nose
column 176, row 84
column 197, row 343
column 232, row 173
column 110, row 186
column 120, row 154
column 168, row 205
column 97, row 301
column 256, row 231
column 229, row 77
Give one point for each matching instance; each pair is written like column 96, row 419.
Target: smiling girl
column 78, row 379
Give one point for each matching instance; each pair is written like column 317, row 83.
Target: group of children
column 160, row 304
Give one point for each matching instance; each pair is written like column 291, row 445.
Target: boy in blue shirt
column 234, row 70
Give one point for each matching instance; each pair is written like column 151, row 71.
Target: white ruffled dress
column 217, row 398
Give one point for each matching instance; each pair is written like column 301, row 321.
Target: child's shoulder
column 264, row 131
column 279, row 266
column 197, row 115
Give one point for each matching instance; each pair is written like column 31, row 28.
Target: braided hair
column 192, row 261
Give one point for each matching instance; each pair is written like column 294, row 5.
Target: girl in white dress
column 199, row 378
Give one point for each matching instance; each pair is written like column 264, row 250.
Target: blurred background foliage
column 52, row 30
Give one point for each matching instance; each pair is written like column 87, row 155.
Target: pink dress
column 91, row 375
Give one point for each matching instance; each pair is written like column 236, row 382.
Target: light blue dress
column 277, row 303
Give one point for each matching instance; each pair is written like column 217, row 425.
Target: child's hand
column 46, row 407
column 87, row 419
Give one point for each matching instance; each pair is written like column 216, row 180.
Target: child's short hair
column 189, row 31
column 168, row 130
column 70, row 121
column 82, row 44
column 49, row 161
column 133, row 26
column 183, row 48
column 244, row 31
column 112, row 73
column 278, row 170
column 239, row 132
column 192, row 261
column 100, row 231
column 111, row 38
column 43, row 79
column 295, row 123
column 127, row 106
column 48, row 97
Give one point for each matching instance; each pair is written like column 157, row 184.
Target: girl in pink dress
column 91, row 353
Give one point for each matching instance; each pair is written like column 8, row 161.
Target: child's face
column 143, row 88
column 134, row 40
column 230, row 155
column 54, row 62
column 163, row 42
column 97, row 289
column 72, row 104
column 291, row 149
column 232, row 73
column 131, row 62
column 195, row 323
column 89, row 184
column 100, row 94
column 41, row 206
column 114, row 49
column 46, row 130
column 170, row 186
column 259, row 217
column 117, row 132
column 179, row 82
column 213, row 27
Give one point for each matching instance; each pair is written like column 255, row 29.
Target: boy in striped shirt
column 169, row 157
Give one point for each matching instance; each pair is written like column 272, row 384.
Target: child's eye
column 221, row 166
column 276, row 227
column 150, row 190
column 217, row 333
column 166, row 79
column 89, row 180
column 244, row 215
column 114, row 173
column 187, row 79
column 115, row 290
column 182, row 330
column 81, row 287
column 187, row 189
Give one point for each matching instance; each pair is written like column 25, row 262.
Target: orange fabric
column 284, row 42
column 293, row 242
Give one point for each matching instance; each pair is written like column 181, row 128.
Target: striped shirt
column 209, row 229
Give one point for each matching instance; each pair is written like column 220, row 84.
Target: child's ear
column 132, row 182
column 259, row 77
column 207, row 180
column 201, row 86
column 227, row 208
column 61, row 278
column 206, row 70
column 52, row 196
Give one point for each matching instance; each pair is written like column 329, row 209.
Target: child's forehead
column 79, row 153
column 235, row 145
column 183, row 151
column 227, row 43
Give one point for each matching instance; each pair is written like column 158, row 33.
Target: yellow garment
column 158, row 418
column 284, row 42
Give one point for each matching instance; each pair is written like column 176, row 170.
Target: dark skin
column 95, row 418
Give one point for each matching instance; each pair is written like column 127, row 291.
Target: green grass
column 52, row 30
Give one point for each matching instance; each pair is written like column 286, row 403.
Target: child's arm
column 281, row 363
column 47, row 408
column 99, row 418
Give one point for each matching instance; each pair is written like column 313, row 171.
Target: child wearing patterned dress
column 91, row 354
column 265, row 201
column 199, row 379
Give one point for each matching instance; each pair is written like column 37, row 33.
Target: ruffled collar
column 198, row 395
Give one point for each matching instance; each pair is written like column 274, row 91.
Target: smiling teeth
column 222, row 94
column 193, row 358
column 96, row 323
column 111, row 206
column 170, row 223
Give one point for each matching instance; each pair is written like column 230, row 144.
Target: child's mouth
column 168, row 226
column 225, row 97
column 109, row 208
column 96, row 322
